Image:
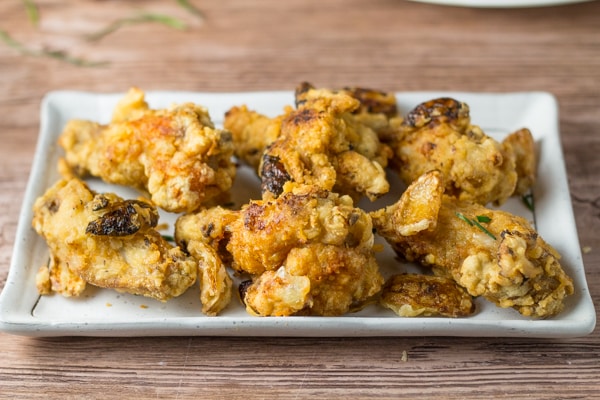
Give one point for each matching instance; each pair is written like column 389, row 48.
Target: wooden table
column 237, row 45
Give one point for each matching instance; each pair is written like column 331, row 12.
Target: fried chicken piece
column 210, row 226
column 108, row 242
column 175, row 154
column 316, row 279
column 204, row 236
column 322, row 144
column 414, row 295
column 306, row 232
column 523, row 146
column 490, row 253
column 215, row 282
column 59, row 278
column 377, row 110
column 308, row 252
column 252, row 132
column 277, row 294
column 438, row 135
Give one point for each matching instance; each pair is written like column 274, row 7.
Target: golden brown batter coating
column 378, row 109
column 438, row 135
column 215, row 282
column 266, row 231
column 252, row 133
column 309, row 252
column 59, row 278
column 204, row 236
column 322, row 144
column 311, row 233
column 523, row 146
column 108, row 242
column 175, row 154
column 415, row 295
column 490, row 253
column 210, row 226
column 371, row 101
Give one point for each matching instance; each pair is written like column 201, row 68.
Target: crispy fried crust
column 204, row 235
column 523, row 146
column 371, row 101
column 139, row 262
column 175, row 154
column 252, row 133
column 438, row 135
column 490, row 253
column 308, row 252
column 414, row 295
column 321, row 143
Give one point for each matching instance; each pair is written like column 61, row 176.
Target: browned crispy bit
column 413, row 295
column 273, row 175
column 442, row 110
column 121, row 218
column 371, row 101
column 523, row 146
column 438, row 135
column 123, row 251
column 489, row 252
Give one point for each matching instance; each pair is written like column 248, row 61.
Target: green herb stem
column 141, row 18
column 168, row 238
column 476, row 222
column 462, row 216
column 191, row 8
column 484, row 230
column 528, row 201
column 56, row 54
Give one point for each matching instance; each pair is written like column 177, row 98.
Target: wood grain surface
column 236, row 45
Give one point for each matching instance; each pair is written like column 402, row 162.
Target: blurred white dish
column 501, row 3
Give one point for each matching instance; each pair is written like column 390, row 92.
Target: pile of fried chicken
column 304, row 247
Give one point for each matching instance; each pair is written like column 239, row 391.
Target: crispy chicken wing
column 523, row 146
column 109, row 242
column 377, row 109
column 204, row 236
column 322, row 144
column 175, row 154
column 308, row 252
column 490, row 253
column 438, row 135
column 252, row 132
column 371, row 101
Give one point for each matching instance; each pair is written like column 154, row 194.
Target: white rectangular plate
column 101, row 312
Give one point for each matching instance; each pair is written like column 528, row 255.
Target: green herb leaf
column 528, row 201
column 169, row 21
column 168, row 238
column 483, row 218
